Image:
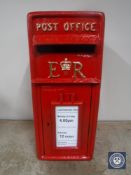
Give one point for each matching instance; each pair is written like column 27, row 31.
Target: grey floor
column 18, row 156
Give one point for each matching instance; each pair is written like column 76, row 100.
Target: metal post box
column 66, row 62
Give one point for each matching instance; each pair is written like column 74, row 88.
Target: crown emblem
column 65, row 65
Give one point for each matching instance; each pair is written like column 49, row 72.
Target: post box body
column 66, row 63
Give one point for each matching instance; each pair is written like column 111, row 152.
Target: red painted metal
column 53, row 37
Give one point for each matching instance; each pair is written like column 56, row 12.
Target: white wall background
column 15, row 90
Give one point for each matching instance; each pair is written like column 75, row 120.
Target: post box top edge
column 65, row 13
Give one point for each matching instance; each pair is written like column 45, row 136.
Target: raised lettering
column 66, row 26
column 93, row 27
column 77, row 69
column 38, row 26
column 53, row 69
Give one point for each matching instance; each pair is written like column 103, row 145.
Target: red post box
column 66, row 62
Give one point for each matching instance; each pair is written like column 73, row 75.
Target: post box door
column 65, row 111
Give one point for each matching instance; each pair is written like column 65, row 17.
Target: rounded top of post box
column 66, row 13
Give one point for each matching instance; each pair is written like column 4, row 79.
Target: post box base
column 65, row 158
